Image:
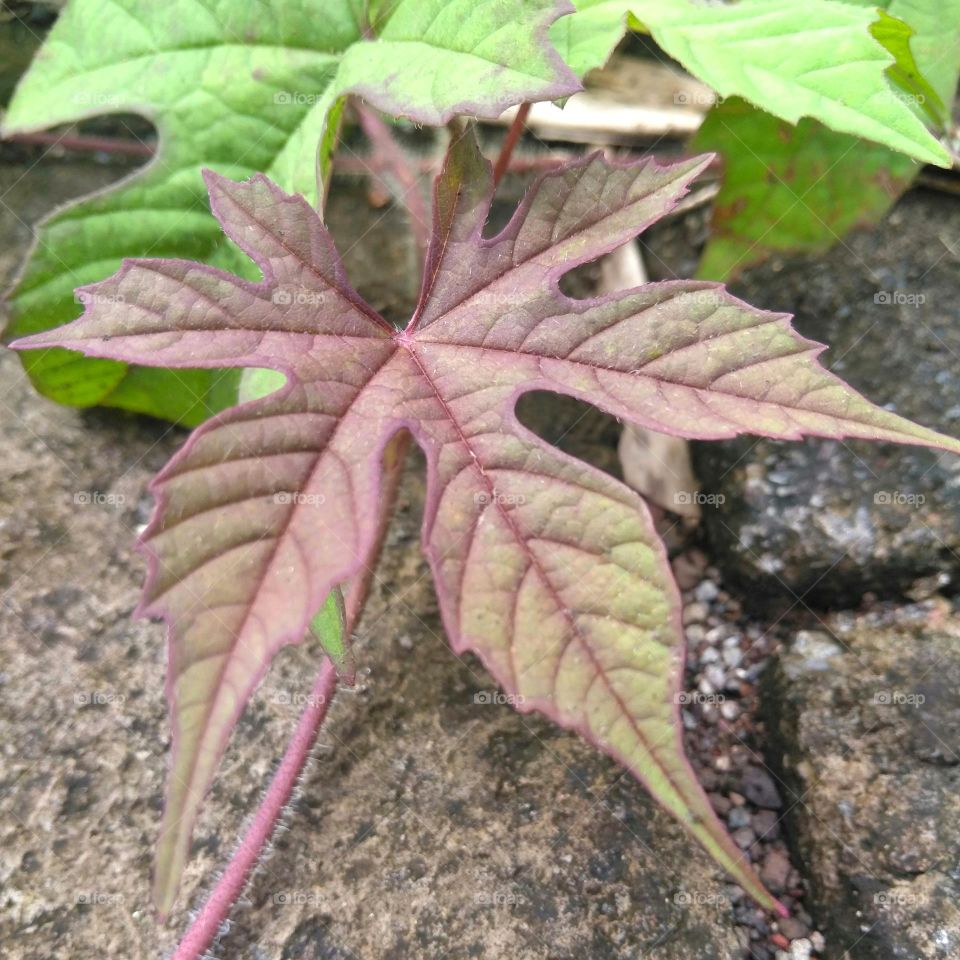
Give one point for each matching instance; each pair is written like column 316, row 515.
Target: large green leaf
column 789, row 188
column 815, row 59
column 802, row 188
column 238, row 87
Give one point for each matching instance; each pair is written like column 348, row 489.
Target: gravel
column 726, row 653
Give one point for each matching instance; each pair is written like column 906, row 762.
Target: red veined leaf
column 548, row 569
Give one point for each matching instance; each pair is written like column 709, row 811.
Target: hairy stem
column 513, row 135
column 215, row 911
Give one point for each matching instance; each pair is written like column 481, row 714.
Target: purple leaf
column 548, row 569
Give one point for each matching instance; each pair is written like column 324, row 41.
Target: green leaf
column 329, row 626
column 789, row 188
column 237, row 87
column 587, row 37
column 935, row 43
column 801, row 189
column 815, row 59
column 895, row 35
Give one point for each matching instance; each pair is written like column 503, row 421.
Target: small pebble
column 696, row 634
column 718, row 634
column 760, row 789
column 775, row 870
column 719, row 803
column 735, row 683
column 744, row 837
column 766, row 825
column 792, row 928
column 708, row 779
column 818, row 941
column 716, row 676
column 732, row 656
column 733, row 893
column 706, row 592
column 739, row 817
column 710, row 655
column 695, row 613
column 729, row 710
column 801, row 949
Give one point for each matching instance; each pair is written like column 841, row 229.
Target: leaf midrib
column 279, row 537
column 534, row 562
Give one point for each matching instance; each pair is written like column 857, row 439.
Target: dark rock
column 829, row 520
column 766, row 824
column 759, row 788
column 869, row 752
column 775, row 869
column 744, row 837
column 792, row 928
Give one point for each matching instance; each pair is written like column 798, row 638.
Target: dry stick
column 227, row 890
column 69, row 141
column 513, row 135
column 351, row 166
